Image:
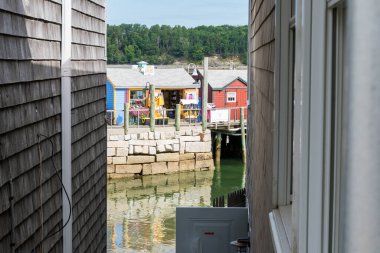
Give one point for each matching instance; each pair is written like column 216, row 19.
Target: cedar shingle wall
column 30, row 103
column 260, row 136
column 88, row 126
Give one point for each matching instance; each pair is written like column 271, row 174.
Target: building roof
column 124, row 77
column 218, row 79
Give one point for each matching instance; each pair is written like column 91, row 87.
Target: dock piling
column 218, row 149
column 152, row 107
column 177, row 117
column 126, row 118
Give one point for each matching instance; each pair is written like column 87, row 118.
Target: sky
column 178, row 12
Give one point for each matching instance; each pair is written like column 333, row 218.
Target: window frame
column 228, row 95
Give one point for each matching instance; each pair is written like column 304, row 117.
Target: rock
column 196, row 132
column 131, row 169
column 203, row 156
column 190, row 138
column 205, row 137
column 156, row 135
column 189, row 132
column 136, row 159
column 111, row 151
column 143, row 142
column 152, row 151
column 167, row 142
column 133, row 136
column 138, row 150
column 143, row 136
column 109, row 160
column 204, row 164
column 110, row 169
column 155, row 168
column 127, row 137
column 131, row 148
column 151, row 135
column 160, row 148
column 192, row 147
column 176, row 147
column 187, row 156
column 122, row 151
column 173, row 167
column 159, row 168
column 116, row 137
column 167, row 157
column 168, row 148
column 117, row 144
column 188, row 165
column 119, row 160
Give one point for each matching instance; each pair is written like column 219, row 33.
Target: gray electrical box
column 208, row 230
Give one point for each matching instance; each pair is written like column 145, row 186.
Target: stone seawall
column 161, row 152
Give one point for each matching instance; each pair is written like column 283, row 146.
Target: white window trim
column 231, row 94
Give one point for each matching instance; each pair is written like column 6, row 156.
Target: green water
column 141, row 212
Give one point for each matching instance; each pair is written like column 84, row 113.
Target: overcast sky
column 178, row 12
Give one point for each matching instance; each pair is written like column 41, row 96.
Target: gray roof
column 220, row 78
column 162, row 78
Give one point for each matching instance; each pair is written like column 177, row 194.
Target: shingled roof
column 125, row 77
column 218, row 79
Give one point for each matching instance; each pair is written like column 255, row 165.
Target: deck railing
column 140, row 117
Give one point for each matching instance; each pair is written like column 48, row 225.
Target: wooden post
column 126, row 118
column 152, row 107
column 204, row 94
column 218, row 149
column 242, row 126
column 177, row 117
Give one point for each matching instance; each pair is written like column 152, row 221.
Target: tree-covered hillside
column 129, row 43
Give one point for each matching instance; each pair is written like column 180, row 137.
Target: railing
column 140, row 117
column 234, row 199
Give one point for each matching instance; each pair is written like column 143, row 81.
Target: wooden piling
column 204, row 94
column 218, row 149
column 126, row 118
column 242, row 126
column 152, row 107
column 177, row 117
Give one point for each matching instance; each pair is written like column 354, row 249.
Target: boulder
column 187, row 165
column 167, row 157
column 136, row 159
column 192, row 147
column 127, row 168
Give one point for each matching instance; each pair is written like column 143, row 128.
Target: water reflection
column 141, row 212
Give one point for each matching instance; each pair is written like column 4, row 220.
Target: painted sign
column 220, row 115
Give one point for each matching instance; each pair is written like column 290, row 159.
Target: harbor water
column 141, row 211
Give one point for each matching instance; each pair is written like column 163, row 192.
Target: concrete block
column 173, row 167
column 122, row 151
column 176, row 147
column 138, row 149
column 161, row 148
column 168, row 148
column 188, row 165
column 205, row 137
column 157, row 135
column 127, row 137
column 204, row 164
column 187, row 156
column 143, row 136
column 190, row 138
column 109, row 160
column 189, row 132
column 133, row 136
column 143, row 142
column 192, row 147
column 132, row 169
column 117, row 144
column 203, row 156
column 151, row 135
column 111, row 151
column 167, row 135
column 182, row 132
column 196, row 132
column 177, row 134
column 136, row 159
column 119, row 160
column 167, row 157
column 182, row 146
column 110, row 169
column 152, row 151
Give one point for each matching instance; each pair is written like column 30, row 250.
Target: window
column 231, row 97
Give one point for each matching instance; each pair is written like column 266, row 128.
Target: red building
column 228, row 89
